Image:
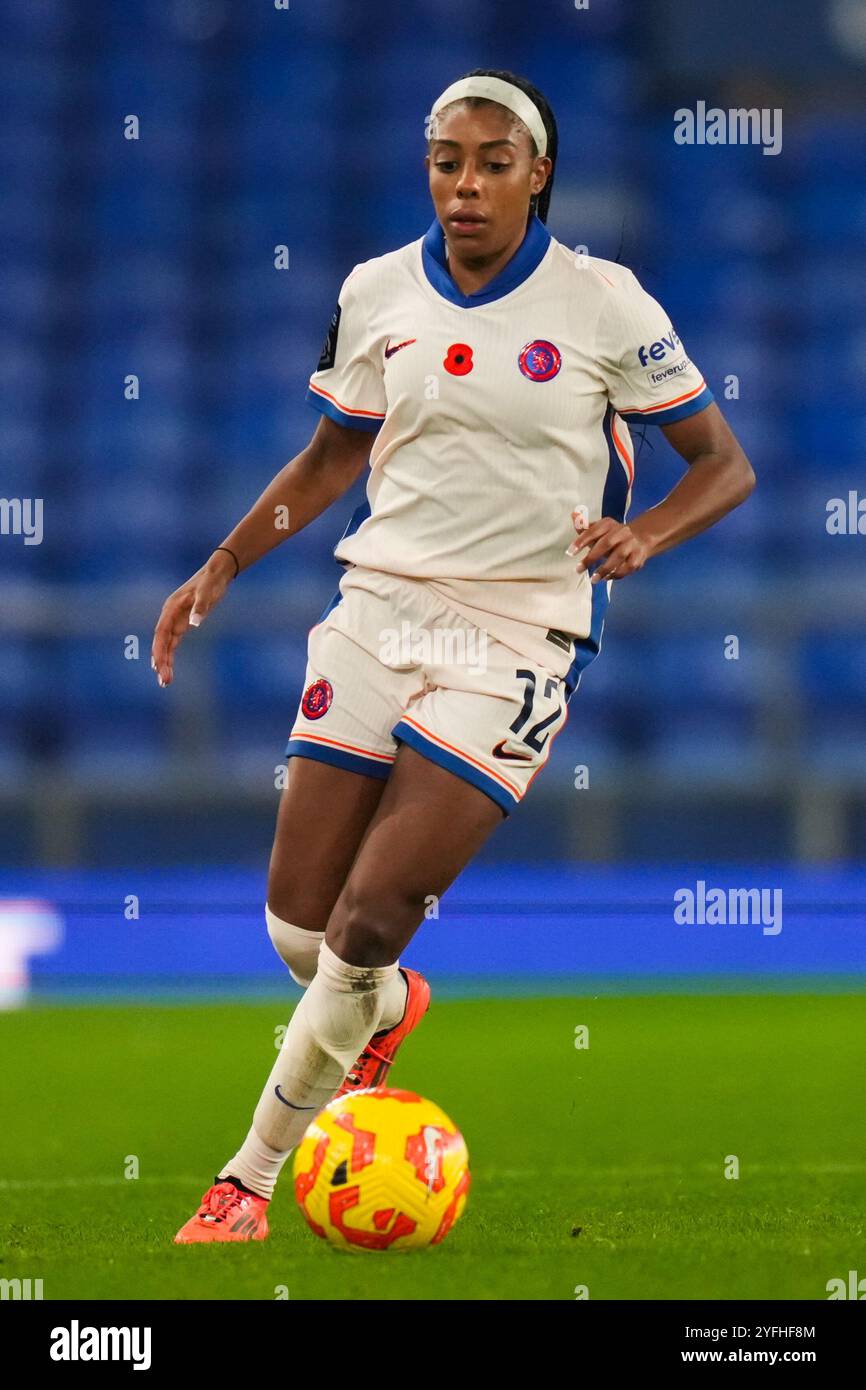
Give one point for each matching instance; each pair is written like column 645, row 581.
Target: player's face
column 482, row 175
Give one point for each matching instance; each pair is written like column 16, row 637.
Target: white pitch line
column 638, row 1170
column 24, row 1184
column 576, row 1172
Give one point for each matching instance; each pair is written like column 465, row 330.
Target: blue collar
column 528, row 256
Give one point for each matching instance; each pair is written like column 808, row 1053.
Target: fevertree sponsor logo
column 659, row 350
column 662, row 374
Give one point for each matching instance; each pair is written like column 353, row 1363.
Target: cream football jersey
column 496, row 415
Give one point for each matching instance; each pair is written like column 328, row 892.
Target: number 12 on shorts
column 531, row 737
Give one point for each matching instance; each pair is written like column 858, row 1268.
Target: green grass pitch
column 601, row 1167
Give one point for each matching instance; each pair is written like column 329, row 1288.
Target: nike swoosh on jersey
column 389, row 350
column 499, row 752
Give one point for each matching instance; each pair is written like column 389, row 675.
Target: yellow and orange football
column 381, row 1169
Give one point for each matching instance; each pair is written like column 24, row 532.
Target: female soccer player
column 495, row 371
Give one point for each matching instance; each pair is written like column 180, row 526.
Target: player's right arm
column 332, row 461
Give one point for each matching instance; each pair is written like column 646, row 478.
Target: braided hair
column 539, row 202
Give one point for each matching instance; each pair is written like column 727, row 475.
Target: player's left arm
column 719, row 477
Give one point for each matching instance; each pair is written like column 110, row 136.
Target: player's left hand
column 618, row 549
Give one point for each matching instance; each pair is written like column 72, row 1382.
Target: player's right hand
column 187, row 607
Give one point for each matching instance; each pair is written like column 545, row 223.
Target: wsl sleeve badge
column 328, row 354
column 540, row 360
column 317, row 699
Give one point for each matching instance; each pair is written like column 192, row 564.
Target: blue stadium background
column 303, row 127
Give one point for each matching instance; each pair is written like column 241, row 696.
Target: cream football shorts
column 390, row 663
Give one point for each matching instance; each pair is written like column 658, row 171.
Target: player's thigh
column 323, row 814
column 426, row 828
column 471, row 745
column 340, row 752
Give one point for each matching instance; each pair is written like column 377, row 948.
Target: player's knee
column 296, row 947
column 296, row 897
column 368, row 931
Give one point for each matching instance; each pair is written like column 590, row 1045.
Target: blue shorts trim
column 337, row 757
column 409, row 735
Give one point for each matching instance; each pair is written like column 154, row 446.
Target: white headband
column 495, row 89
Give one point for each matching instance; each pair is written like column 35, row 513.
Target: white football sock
column 394, row 995
column 299, row 949
column 340, row 1011
column 256, row 1164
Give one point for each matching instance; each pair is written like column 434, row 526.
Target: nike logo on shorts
column 499, row 752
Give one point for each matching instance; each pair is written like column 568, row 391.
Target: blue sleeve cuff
column 325, row 406
column 672, row 413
